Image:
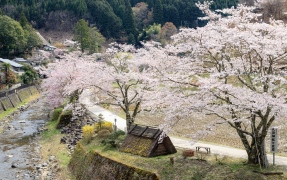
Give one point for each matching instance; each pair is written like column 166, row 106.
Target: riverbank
column 19, row 141
column 54, row 155
column 7, row 116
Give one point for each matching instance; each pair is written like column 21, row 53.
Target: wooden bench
column 206, row 148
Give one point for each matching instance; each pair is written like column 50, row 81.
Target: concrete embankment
column 14, row 98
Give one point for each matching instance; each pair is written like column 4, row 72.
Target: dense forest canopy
column 114, row 18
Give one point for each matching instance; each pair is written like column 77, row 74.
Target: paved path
column 215, row 149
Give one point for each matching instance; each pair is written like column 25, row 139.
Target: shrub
column 106, row 106
column 88, row 132
column 116, row 134
column 115, row 139
column 104, row 125
column 64, row 119
column 104, row 133
column 56, row 114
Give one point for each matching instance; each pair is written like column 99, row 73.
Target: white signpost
column 274, row 142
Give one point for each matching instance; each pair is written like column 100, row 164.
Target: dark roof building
column 147, row 141
column 20, row 60
column 49, row 47
column 16, row 67
column 12, row 63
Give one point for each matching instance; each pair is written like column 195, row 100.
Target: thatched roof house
column 144, row 141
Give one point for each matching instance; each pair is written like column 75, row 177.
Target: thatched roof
column 143, row 141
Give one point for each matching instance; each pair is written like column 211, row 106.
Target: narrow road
column 178, row 142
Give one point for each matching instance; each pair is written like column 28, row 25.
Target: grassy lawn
column 222, row 134
column 201, row 166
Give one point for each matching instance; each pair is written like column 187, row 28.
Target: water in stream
column 19, row 150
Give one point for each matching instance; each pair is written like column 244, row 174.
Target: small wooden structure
column 206, row 148
column 144, row 141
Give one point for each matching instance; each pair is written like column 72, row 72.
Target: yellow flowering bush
column 88, row 132
column 104, row 125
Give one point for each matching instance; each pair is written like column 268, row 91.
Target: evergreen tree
column 81, row 7
column 131, row 39
column 82, row 34
column 171, row 14
column 150, row 3
column 108, row 23
column 23, row 20
column 12, row 35
column 29, row 75
column 97, row 39
column 158, row 12
column 33, row 40
column 129, row 22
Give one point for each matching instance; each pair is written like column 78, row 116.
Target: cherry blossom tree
column 120, row 79
column 60, row 74
column 231, row 69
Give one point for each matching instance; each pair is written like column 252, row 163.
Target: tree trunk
column 257, row 155
column 129, row 121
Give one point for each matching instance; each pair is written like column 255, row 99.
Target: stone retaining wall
column 1, row 108
column 34, row 90
column 91, row 165
column 24, row 94
column 5, row 101
column 13, row 100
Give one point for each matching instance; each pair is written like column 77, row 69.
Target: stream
column 19, row 148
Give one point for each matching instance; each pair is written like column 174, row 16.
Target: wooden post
column 171, row 160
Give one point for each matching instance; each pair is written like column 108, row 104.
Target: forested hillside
column 119, row 19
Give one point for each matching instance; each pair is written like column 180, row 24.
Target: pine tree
column 23, row 20
column 82, row 34
column 128, row 21
column 97, row 39
column 158, row 12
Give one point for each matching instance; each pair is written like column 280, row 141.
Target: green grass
column 64, row 158
column 51, row 147
column 197, row 167
column 51, row 131
column 204, row 167
column 56, row 113
column 7, row 112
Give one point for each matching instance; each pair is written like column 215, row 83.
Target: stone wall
column 14, row 99
column 5, row 101
column 1, row 108
column 34, row 90
column 24, row 94
column 91, row 165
